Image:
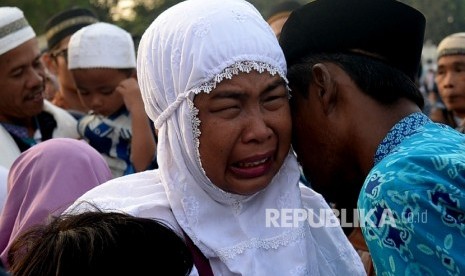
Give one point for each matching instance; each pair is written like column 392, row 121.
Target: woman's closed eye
column 275, row 101
column 226, row 108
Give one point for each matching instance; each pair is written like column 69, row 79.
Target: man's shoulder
column 57, row 111
column 431, row 150
column 8, row 148
column 66, row 123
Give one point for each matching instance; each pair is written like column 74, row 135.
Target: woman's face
column 245, row 131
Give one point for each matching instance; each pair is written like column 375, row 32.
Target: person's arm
column 143, row 144
column 414, row 230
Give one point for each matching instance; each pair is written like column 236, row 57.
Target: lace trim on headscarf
column 235, row 69
column 195, row 130
column 195, row 121
column 207, row 87
column 293, row 235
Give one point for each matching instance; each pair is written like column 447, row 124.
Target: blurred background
column 443, row 16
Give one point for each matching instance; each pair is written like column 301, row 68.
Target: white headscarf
column 189, row 49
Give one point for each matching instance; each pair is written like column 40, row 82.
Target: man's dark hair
column 377, row 79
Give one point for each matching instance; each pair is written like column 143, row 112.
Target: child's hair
column 99, row 243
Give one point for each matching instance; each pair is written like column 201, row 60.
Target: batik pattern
column 412, row 203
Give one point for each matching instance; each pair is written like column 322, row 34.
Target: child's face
column 97, row 89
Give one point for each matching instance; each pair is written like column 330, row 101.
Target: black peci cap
column 282, row 8
column 66, row 23
column 384, row 29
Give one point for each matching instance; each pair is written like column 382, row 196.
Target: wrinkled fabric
column 3, row 179
column 111, row 136
column 66, row 127
column 413, row 200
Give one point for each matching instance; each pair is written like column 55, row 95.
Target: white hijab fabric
column 189, row 49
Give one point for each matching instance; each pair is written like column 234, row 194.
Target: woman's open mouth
column 253, row 167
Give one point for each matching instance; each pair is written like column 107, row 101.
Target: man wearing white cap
column 25, row 117
column 450, row 77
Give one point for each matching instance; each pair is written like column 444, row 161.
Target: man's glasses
column 62, row 52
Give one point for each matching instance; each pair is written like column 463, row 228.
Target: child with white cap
column 102, row 60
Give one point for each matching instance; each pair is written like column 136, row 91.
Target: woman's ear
column 324, row 82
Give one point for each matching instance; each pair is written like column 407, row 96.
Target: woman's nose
column 256, row 129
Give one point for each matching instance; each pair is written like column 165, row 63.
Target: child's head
column 100, row 56
column 98, row 243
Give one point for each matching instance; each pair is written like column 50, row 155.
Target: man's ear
column 50, row 63
column 134, row 74
column 326, row 88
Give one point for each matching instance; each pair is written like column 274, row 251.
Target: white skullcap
column 101, row 45
column 453, row 44
column 14, row 29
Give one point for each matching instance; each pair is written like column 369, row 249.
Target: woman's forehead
column 245, row 83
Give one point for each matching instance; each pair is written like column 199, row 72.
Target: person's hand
column 129, row 89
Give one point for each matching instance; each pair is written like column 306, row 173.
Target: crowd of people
column 299, row 143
